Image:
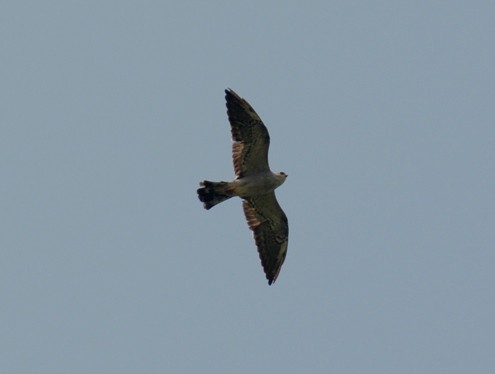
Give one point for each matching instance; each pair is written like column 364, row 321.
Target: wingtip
column 230, row 92
column 271, row 280
column 273, row 275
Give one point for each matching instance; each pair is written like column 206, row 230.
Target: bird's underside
column 255, row 184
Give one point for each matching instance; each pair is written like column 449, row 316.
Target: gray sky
column 382, row 113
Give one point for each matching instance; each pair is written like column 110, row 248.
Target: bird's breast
column 256, row 184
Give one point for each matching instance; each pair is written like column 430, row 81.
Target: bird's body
column 258, row 184
column 255, row 184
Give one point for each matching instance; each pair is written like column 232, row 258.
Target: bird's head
column 281, row 176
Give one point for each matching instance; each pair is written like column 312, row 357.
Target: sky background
column 382, row 113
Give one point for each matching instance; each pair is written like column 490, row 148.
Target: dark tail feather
column 213, row 193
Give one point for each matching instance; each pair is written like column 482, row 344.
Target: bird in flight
column 255, row 184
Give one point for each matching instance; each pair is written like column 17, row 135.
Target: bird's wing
column 270, row 230
column 250, row 137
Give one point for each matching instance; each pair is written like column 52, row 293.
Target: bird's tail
column 213, row 193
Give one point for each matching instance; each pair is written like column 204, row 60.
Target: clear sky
column 381, row 112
